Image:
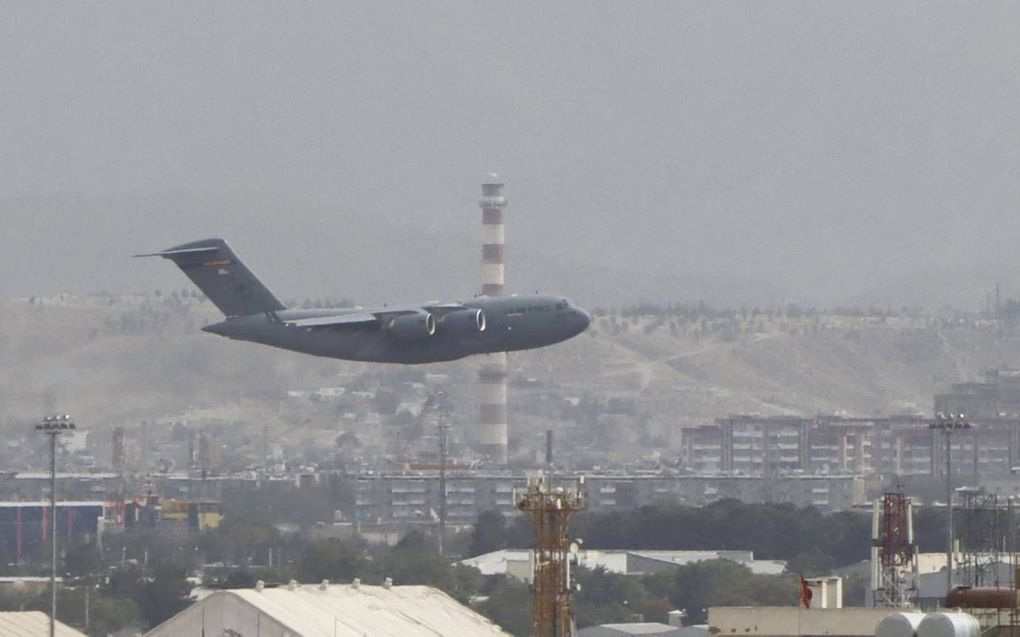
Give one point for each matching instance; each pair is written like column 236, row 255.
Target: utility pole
column 53, row 426
column 444, row 453
column 947, row 424
column 437, row 400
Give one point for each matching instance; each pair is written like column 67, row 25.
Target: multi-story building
column 995, row 398
column 413, row 499
column 903, row 445
column 26, row 527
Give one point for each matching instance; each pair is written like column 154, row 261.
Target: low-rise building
column 350, row 610
column 792, row 621
column 23, row 624
column 517, row 562
column 634, row 628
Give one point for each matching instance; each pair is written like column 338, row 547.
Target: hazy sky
column 823, row 148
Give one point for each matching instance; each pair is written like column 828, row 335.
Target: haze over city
column 814, row 153
column 681, row 318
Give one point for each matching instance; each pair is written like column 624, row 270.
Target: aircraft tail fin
column 216, row 270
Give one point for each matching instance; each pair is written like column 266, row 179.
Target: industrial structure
column 492, row 376
column 986, row 540
column 894, row 572
column 551, row 510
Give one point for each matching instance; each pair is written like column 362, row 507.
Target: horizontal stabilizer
column 169, row 253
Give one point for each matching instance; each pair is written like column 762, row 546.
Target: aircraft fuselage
column 425, row 333
column 512, row 323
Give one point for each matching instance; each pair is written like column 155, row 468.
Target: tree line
column 140, row 577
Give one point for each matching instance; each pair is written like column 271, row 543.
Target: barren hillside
column 120, row 360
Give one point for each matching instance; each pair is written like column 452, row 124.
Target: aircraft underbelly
column 373, row 344
column 369, row 346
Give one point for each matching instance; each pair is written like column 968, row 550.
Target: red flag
column 805, row 593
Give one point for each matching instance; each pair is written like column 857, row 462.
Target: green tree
column 467, row 582
column 695, row 587
column 607, row 597
column 330, row 559
column 82, row 558
column 416, row 560
column 489, row 533
column 164, row 595
column 110, row 614
column 508, row 605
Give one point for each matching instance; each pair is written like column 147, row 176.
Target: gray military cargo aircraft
column 426, row 333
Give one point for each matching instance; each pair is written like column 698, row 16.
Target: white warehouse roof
column 32, row 624
column 625, row 630
column 623, row 561
column 336, row 610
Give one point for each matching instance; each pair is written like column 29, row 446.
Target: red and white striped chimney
column 492, row 375
column 493, row 204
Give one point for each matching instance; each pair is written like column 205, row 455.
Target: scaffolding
column 894, row 574
column 986, row 540
column 551, row 510
column 987, row 546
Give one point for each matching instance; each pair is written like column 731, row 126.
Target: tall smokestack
column 493, row 204
column 492, row 376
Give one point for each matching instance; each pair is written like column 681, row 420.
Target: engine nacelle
column 463, row 321
column 413, row 327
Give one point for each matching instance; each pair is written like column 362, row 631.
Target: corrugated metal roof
column 32, row 624
column 636, row 628
column 340, row 610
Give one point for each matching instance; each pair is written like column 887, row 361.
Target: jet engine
column 413, row 327
column 464, row 321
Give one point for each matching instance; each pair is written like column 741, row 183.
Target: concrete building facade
column 768, row 446
column 412, row 498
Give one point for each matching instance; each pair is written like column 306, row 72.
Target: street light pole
column 947, row 424
column 444, row 455
column 53, row 426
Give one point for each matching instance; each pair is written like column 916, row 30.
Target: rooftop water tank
column 948, row 624
column 899, row 624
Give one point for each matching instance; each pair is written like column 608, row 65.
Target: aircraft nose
column 583, row 319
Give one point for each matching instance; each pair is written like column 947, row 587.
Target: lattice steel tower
column 893, row 553
column 552, row 613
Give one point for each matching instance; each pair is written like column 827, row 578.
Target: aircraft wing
column 374, row 316
column 338, row 320
column 366, row 317
column 442, row 309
